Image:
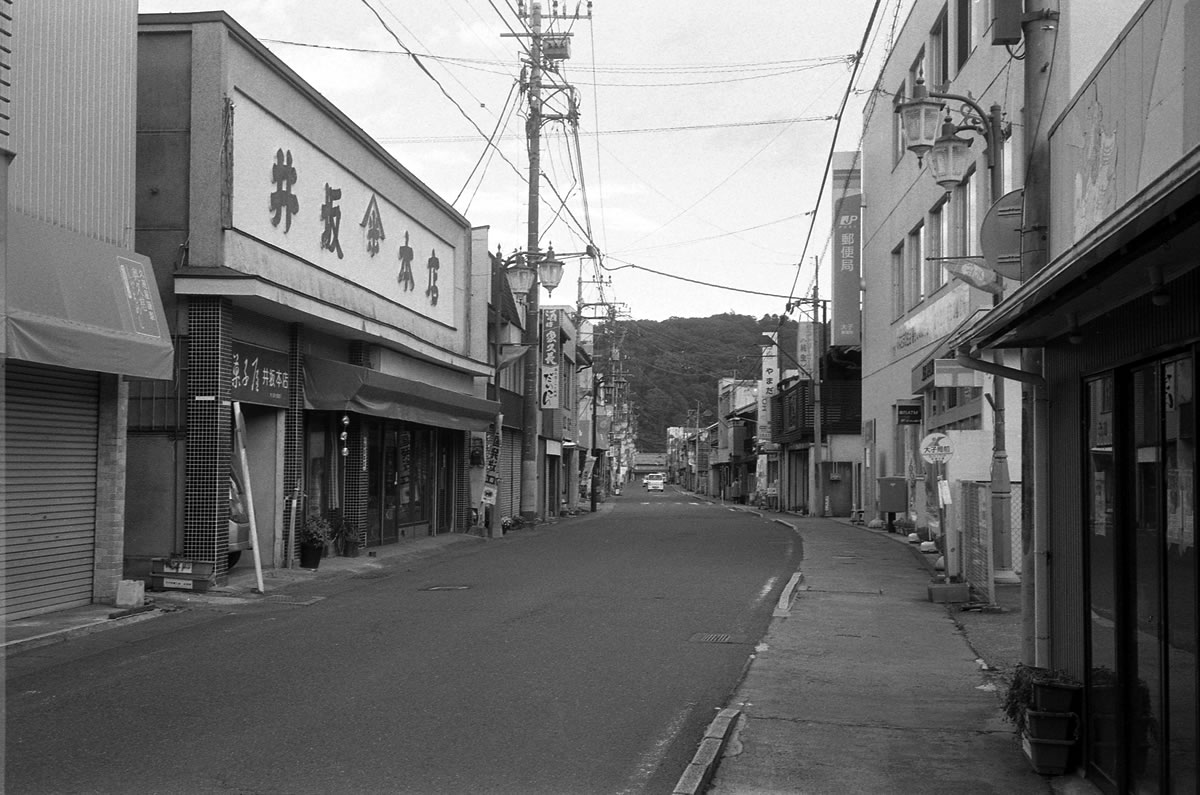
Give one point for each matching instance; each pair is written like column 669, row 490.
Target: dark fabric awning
column 335, row 386
column 82, row 303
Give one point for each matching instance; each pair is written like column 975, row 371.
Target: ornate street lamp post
column 948, row 163
column 525, row 280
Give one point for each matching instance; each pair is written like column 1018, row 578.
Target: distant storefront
column 319, row 291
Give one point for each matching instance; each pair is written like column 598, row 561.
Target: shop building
column 1111, row 312
column 316, row 289
column 82, row 318
column 916, row 233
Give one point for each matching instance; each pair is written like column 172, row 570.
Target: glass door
column 1142, row 684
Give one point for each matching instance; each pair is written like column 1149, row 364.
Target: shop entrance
column 1142, row 705
column 400, row 481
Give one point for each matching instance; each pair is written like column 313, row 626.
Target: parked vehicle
column 655, row 481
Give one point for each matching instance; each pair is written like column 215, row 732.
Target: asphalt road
column 585, row 656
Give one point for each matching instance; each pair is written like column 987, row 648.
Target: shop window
column 1141, row 566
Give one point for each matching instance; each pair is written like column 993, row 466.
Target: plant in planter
column 1040, row 702
column 312, row 537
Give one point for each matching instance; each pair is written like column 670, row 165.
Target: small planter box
column 949, row 592
column 1050, row 725
column 1055, row 697
column 1047, row 757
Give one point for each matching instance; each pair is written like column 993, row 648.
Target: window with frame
column 915, row 267
column 966, row 217
column 936, row 246
column 939, row 53
column 963, row 32
column 899, row 146
column 899, row 305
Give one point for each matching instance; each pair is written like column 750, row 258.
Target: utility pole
column 532, row 332
column 818, row 492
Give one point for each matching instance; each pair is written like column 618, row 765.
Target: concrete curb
column 85, row 625
column 699, row 772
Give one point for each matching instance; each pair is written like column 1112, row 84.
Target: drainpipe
column 1040, row 30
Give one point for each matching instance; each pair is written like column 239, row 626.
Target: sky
column 703, row 136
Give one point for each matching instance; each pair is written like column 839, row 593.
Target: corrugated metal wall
column 75, row 153
column 1134, row 332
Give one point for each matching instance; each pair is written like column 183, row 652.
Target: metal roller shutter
column 50, row 488
column 509, row 503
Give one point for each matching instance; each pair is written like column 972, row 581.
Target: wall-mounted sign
column 292, row 196
column 260, row 375
column 908, row 414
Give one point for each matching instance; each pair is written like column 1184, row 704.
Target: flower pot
column 1047, row 757
column 1050, row 725
column 310, row 555
column 1054, row 696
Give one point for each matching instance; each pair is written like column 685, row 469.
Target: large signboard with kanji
column 292, row 196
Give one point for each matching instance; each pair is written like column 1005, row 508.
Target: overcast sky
column 704, row 128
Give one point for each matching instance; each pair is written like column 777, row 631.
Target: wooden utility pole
column 532, row 335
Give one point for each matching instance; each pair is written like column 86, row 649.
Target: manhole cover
column 303, row 601
column 714, row 637
column 446, row 588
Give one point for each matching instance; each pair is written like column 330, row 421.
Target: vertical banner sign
column 767, row 386
column 805, row 349
column 491, row 472
column 847, row 270
column 551, row 355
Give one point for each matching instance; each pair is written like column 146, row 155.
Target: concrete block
column 131, row 593
column 949, row 592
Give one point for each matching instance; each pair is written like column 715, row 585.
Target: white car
column 655, row 482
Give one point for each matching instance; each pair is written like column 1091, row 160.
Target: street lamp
column 524, row 279
column 948, row 164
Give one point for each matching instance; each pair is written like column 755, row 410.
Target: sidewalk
column 865, row 686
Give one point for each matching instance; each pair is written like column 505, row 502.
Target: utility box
column 893, row 495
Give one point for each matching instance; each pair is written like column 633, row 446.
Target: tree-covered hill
column 673, row 365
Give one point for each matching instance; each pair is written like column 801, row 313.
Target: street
column 586, row 655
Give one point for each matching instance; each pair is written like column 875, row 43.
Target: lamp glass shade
column 550, row 272
column 949, row 160
column 922, row 120
column 520, row 278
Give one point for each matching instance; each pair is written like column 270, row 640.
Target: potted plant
column 312, row 537
column 1041, row 704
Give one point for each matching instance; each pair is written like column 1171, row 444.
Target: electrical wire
column 691, row 281
column 416, row 59
column 500, row 121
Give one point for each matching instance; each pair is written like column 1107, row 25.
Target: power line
column 692, row 281
column 628, row 131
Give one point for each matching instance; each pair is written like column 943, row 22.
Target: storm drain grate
column 302, row 601
column 713, row 637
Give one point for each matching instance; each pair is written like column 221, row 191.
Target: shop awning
column 84, row 304
column 335, row 386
